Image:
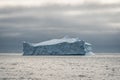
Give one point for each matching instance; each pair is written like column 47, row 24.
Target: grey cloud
column 37, row 24
column 56, row 7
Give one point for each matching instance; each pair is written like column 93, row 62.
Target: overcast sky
column 95, row 21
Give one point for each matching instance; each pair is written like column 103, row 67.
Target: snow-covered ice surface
column 57, row 41
column 97, row 67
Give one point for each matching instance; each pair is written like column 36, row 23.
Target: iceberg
column 63, row 46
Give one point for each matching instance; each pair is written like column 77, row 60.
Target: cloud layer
column 97, row 22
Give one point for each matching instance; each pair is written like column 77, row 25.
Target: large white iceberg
column 63, row 46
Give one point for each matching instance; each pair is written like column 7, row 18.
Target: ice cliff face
column 64, row 46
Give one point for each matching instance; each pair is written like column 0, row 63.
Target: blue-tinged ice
column 63, row 46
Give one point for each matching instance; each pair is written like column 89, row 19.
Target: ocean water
column 14, row 66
